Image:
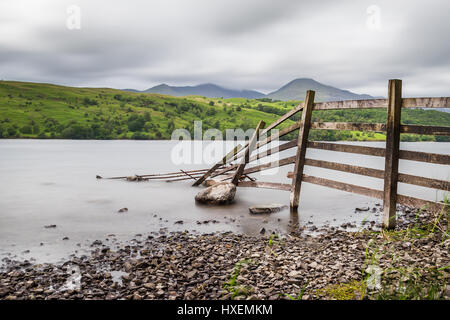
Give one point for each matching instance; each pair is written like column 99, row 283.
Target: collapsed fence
column 227, row 170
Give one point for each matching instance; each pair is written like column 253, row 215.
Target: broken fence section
column 392, row 153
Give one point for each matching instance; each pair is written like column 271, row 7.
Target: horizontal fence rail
column 392, row 153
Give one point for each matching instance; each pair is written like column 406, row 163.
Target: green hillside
column 35, row 110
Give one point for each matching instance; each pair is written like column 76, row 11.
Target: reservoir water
column 52, row 182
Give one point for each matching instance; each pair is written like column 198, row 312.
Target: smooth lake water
column 45, row 182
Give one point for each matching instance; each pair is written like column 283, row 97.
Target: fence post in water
column 247, row 152
column 394, row 111
column 222, row 162
column 302, row 142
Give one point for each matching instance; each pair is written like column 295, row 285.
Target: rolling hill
column 47, row 111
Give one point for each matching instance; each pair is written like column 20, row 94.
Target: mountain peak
column 296, row 90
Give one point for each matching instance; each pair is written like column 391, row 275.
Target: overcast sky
column 251, row 44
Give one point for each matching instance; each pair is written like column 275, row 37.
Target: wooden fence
column 392, row 153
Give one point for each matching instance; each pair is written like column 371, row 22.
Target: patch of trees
column 90, row 102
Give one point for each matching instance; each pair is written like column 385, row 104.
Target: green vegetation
column 34, row 110
column 232, row 286
column 354, row 290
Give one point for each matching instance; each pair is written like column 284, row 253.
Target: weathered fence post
column 218, row 165
column 302, row 142
column 394, row 111
column 248, row 151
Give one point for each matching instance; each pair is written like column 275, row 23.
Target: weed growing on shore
column 354, row 290
column 413, row 284
column 299, row 296
column 232, row 286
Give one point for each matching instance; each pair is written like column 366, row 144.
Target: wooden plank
column 435, row 158
column 392, row 153
column 370, row 151
column 303, row 134
column 269, row 139
column 218, row 165
column 266, row 185
column 375, row 127
column 376, row 173
column 274, row 124
column 266, row 166
column 421, row 204
column 248, row 151
column 440, row 102
column 431, row 130
column 344, row 186
column 270, row 165
column 282, row 147
column 274, row 150
column 283, row 118
column 352, row 104
column 405, row 200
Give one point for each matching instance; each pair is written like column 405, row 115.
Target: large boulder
column 220, row 193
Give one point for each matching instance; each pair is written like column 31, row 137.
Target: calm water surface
column 46, row 182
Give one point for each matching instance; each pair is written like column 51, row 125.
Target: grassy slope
column 31, row 110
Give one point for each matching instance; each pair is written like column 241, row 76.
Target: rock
column 66, row 238
column 220, row 193
column 96, row 243
column 209, row 183
column 179, row 222
column 50, row 226
column 262, row 231
column 123, row 210
column 294, row 274
column 362, row 209
column 266, row 208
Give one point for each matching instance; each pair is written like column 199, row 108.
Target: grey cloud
column 240, row 44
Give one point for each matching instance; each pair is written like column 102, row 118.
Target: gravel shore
column 332, row 263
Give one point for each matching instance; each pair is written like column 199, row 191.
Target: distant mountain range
column 207, row 90
column 294, row 90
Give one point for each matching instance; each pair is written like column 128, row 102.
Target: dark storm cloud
column 250, row 44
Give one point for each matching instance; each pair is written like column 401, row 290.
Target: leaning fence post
column 394, row 111
column 250, row 147
column 302, row 142
column 222, row 162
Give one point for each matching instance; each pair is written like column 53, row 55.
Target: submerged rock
column 220, row 193
column 266, row 208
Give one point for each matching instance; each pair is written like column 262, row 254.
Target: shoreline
column 332, row 264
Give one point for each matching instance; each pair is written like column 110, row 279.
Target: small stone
column 123, row 210
column 266, row 208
